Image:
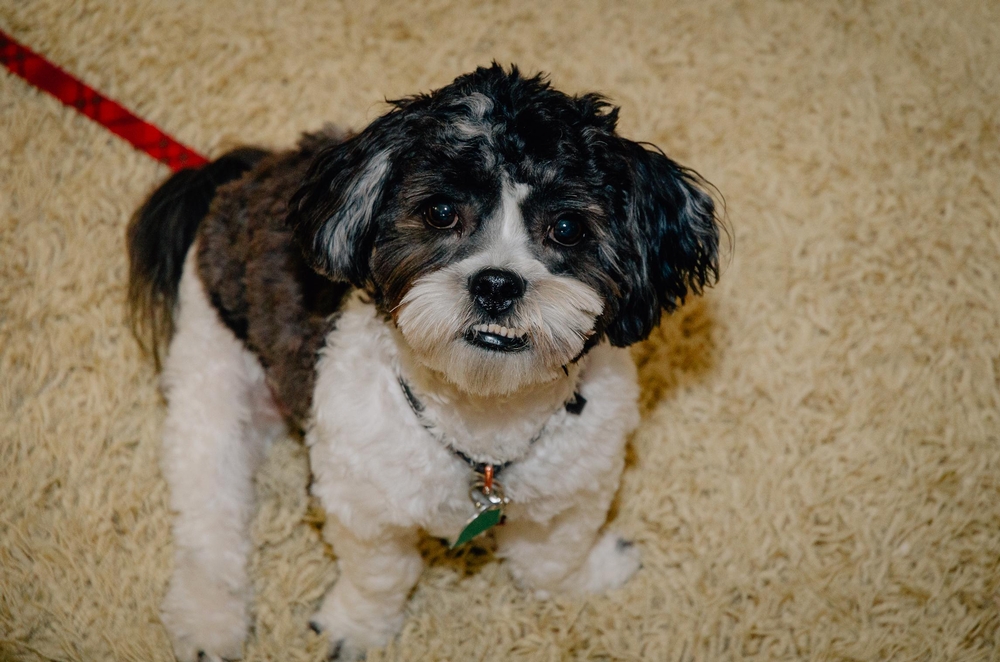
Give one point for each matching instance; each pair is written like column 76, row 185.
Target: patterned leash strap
column 110, row 114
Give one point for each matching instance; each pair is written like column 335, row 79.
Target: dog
column 440, row 305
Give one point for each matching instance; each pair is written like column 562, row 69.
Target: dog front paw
column 612, row 562
column 205, row 618
column 336, row 649
column 351, row 630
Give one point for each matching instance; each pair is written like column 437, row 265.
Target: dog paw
column 339, row 648
column 611, row 562
column 349, row 636
column 206, row 619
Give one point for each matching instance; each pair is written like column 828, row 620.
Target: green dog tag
column 489, row 503
column 480, row 523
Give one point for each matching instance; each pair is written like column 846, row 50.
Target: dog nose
column 496, row 290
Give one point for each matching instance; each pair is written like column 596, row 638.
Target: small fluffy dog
column 439, row 304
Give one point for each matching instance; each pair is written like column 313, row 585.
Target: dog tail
column 159, row 236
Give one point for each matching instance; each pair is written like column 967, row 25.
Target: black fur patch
column 259, row 280
column 160, row 234
column 651, row 232
column 576, row 404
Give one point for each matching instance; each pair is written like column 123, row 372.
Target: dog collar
column 485, row 491
column 573, row 406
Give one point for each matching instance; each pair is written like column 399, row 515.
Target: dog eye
column 567, row 231
column 441, row 215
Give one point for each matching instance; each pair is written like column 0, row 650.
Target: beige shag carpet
column 817, row 475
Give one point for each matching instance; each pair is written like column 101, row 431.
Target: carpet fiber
column 817, row 474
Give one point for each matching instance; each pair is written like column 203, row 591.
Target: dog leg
column 568, row 554
column 364, row 609
column 212, row 445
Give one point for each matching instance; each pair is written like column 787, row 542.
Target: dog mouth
column 497, row 338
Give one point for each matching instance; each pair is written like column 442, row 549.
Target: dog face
column 506, row 228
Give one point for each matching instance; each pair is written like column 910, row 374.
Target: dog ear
column 333, row 213
column 671, row 222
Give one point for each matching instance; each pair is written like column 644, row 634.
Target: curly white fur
column 381, row 476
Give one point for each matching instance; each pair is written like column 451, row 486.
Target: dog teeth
column 499, row 330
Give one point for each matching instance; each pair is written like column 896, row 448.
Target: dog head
column 506, row 228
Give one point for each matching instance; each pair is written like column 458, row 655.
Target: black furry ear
column 332, row 214
column 674, row 225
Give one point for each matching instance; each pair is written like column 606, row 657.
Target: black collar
column 573, row 406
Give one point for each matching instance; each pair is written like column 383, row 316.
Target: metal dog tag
column 489, row 503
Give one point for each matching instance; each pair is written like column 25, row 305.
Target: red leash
column 46, row 76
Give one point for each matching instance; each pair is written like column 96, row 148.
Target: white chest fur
column 376, row 466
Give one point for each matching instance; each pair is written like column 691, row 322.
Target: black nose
column 496, row 290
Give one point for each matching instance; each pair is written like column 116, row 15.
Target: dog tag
column 480, row 523
column 489, row 503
